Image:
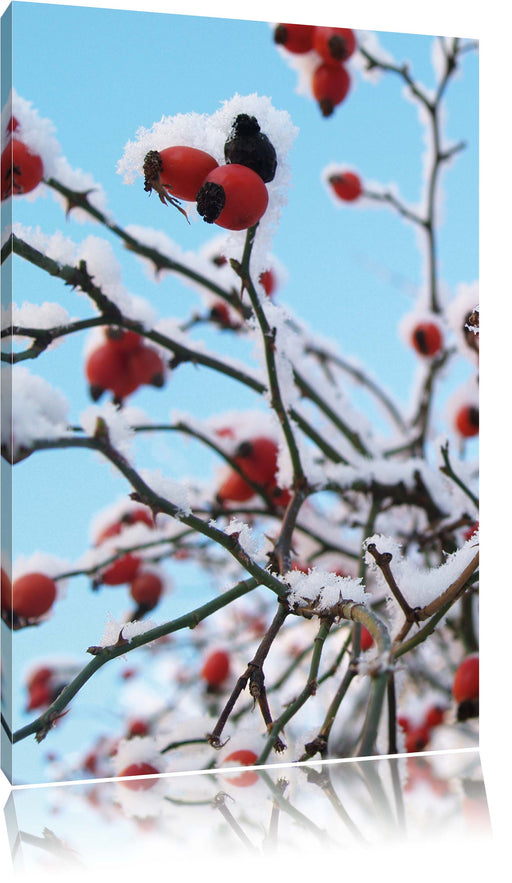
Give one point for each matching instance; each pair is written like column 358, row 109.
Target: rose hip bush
column 341, row 559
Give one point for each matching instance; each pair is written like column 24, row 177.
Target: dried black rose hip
column 211, row 199
column 248, row 146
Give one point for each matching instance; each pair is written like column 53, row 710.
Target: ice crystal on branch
column 323, row 590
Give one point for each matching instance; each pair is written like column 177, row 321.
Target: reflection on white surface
column 279, row 812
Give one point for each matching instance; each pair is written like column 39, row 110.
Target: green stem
column 308, row 691
column 42, row 724
column 268, row 335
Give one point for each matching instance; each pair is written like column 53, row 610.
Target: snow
column 411, row 320
column 138, row 627
column 323, row 588
column 80, row 182
column 465, row 394
column 420, row 585
column 113, row 629
column 209, row 133
column 56, row 246
column 175, row 492
column 249, row 542
column 37, row 133
column 44, row 316
column 120, row 431
column 38, row 412
column 39, row 136
column 42, row 562
column 103, row 266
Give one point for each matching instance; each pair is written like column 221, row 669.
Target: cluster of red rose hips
column 146, row 587
column 330, row 80
column 122, row 364
column 257, row 459
column 234, row 195
column 426, row 337
column 29, row 598
column 417, row 735
column 21, row 168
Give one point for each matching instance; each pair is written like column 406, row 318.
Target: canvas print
column 240, row 413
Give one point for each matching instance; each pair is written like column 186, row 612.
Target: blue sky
column 99, row 75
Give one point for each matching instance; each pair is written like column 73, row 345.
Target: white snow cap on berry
column 209, row 133
column 35, row 132
column 42, row 562
column 410, row 322
column 38, row 135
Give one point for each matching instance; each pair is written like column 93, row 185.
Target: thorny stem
column 271, row 840
column 254, row 674
column 158, row 503
column 181, row 353
column 309, row 690
column 159, row 260
column 291, row 810
column 321, row 742
column 420, row 420
column 436, row 610
column 373, row 714
column 43, row 338
column 447, row 469
column 383, row 560
column 102, row 655
column 268, row 335
column 323, row 780
column 353, row 437
column 281, row 555
column 219, row 803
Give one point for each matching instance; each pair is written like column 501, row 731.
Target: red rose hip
column 146, row 589
column 177, row 170
column 334, row 44
column 467, row 421
column 297, row 39
column 330, row 85
column 244, row 757
column 139, row 769
column 123, row 570
column 346, row 185
column 21, row 169
column 427, row 339
column 232, row 196
column 466, row 682
column 33, row 595
column 216, row 668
